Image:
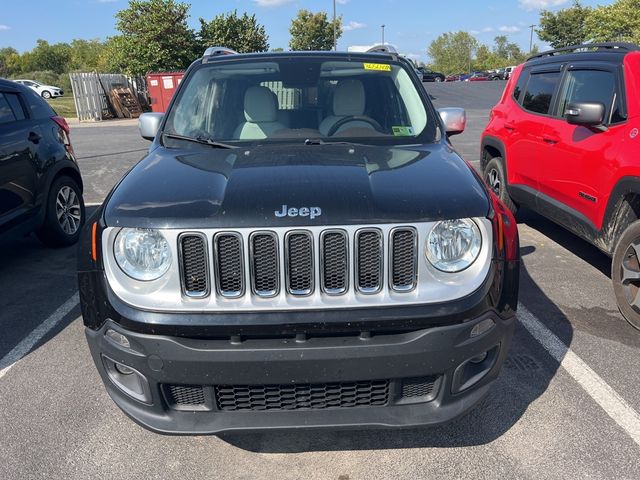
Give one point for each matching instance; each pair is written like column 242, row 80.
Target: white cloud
column 353, row 26
column 272, row 3
column 342, row 2
column 488, row 29
column 539, row 4
column 4, row 27
column 509, row 29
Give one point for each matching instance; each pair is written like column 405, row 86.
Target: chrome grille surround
column 298, row 258
column 432, row 286
column 264, row 261
column 406, row 259
column 334, row 261
column 228, row 284
column 192, row 267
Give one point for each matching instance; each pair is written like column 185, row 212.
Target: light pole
column 531, row 38
column 335, row 39
column 382, row 26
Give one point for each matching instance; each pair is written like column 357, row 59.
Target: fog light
column 118, row 338
column 479, row 358
column 482, row 327
column 127, row 379
column 124, row 370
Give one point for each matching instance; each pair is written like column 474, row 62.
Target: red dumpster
column 161, row 88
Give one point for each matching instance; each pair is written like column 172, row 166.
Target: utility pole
column 335, row 38
column 383, row 25
column 531, row 38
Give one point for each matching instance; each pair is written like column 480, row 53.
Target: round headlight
column 142, row 254
column 453, row 245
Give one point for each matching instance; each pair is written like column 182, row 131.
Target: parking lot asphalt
column 565, row 405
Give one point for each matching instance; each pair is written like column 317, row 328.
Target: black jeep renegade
column 301, row 247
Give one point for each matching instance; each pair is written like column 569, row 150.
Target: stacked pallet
column 125, row 103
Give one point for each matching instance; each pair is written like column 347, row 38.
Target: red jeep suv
column 564, row 141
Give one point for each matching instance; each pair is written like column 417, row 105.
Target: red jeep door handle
column 550, row 139
column 509, row 126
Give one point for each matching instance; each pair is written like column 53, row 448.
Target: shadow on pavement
column 525, row 377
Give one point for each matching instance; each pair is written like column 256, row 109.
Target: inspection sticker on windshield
column 402, row 131
column 380, row 67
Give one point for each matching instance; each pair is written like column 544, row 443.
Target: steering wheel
column 353, row 118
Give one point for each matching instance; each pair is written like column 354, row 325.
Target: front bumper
column 435, row 359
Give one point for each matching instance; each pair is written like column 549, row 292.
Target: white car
column 46, row 91
column 508, row 71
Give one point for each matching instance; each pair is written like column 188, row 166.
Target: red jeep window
column 539, row 92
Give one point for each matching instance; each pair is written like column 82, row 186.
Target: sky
column 410, row 25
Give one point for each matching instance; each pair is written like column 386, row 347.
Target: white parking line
column 27, row 343
column 611, row 402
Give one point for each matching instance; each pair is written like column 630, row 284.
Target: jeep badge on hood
column 311, row 212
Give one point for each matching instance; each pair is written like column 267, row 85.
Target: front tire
column 496, row 179
column 438, row 79
column 46, row 94
column 625, row 274
column 64, row 214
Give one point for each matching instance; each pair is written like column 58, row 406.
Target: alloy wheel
column 68, row 210
column 630, row 274
column 493, row 179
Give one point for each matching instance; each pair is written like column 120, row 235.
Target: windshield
column 294, row 99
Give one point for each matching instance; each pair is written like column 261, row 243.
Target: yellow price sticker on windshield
column 379, row 67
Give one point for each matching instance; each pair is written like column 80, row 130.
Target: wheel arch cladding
column 492, row 147
column 623, row 208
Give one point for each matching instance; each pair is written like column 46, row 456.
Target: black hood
column 336, row 184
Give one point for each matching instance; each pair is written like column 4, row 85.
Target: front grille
column 302, row 397
column 185, row 396
column 299, row 247
column 264, row 264
column 404, row 259
column 229, row 264
column 335, row 266
column 418, row 386
column 193, row 250
column 369, row 261
column 289, row 263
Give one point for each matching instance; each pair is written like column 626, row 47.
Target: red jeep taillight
column 505, row 230
column 62, row 123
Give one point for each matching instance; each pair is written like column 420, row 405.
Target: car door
column 17, row 152
column 578, row 162
column 523, row 128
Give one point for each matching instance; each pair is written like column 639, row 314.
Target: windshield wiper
column 200, row 139
column 318, row 141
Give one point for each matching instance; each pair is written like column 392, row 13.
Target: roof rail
column 587, row 47
column 215, row 51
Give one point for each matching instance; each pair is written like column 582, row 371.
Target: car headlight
column 143, row 254
column 453, row 245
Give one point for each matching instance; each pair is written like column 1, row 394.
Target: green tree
column 619, row 22
column 566, row 27
column 453, row 52
column 154, row 36
column 243, row 34
column 49, row 57
column 313, row 31
column 86, row 54
column 7, row 56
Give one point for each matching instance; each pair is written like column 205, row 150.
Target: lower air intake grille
column 185, row 396
column 369, row 261
column 194, row 265
column 418, row 386
column 302, row 397
column 403, row 259
column 264, row 263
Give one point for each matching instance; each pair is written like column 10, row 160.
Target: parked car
column 45, row 91
column 508, row 72
column 497, row 75
column 258, row 270
column 563, row 141
column 431, row 76
column 453, row 78
column 40, row 183
column 477, row 77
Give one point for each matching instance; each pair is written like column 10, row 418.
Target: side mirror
column 587, row 114
column 148, row 124
column 454, row 119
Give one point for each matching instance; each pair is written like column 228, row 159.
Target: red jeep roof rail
column 590, row 47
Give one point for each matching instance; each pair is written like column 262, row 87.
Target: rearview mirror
column 454, row 119
column 587, row 114
column 148, row 124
